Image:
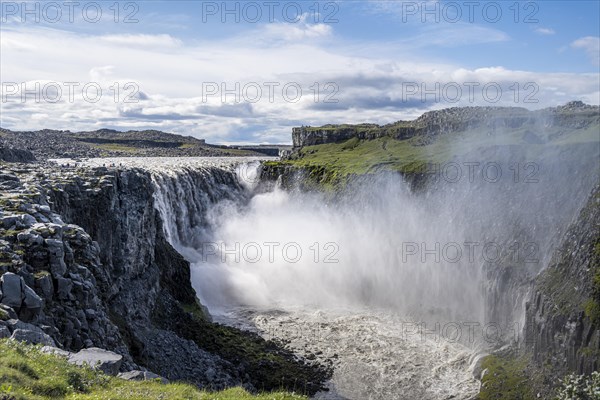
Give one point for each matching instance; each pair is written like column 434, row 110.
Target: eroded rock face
column 562, row 321
column 11, row 290
column 53, row 264
column 81, row 293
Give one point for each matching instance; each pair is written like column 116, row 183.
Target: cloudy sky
column 248, row 71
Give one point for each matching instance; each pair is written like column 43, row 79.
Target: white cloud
column 171, row 73
column 139, row 40
column 591, row 45
column 297, row 32
column 545, row 31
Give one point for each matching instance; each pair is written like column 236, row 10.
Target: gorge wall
column 563, row 314
column 94, row 254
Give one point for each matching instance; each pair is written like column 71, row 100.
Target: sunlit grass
column 27, row 373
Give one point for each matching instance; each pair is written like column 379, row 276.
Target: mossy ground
column 506, row 379
column 26, row 373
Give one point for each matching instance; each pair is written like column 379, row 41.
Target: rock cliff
column 451, row 120
column 85, row 262
column 563, row 315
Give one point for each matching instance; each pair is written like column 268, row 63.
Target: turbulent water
column 375, row 354
column 401, row 291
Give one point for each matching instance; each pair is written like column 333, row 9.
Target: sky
column 234, row 72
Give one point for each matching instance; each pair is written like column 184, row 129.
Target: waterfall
column 459, row 252
column 417, row 275
column 184, row 194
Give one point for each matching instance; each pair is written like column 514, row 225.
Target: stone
column 64, row 288
column 4, row 332
column 57, row 254
column 56, row 351
column 32, row 337
column 44, row 209
column 45, row 285
column 30, row 298
column 137, row 375
column 11, row 290
column 25, row 221
column 97, row 358
column 8, row 221
column 9, row 154
column 11, row 313
column 30, row 238
column 8, row 177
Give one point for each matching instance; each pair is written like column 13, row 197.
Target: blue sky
column 369, row 61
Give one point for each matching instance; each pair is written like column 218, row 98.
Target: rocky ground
column 47, row 143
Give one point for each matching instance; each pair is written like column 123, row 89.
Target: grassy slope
column 26, row 373
column 366, row 156
column 505, row 379
column 357, row 157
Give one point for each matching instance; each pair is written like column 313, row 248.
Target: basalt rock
column 15, row 155
column 563, row 315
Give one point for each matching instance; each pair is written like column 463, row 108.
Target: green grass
column 115, row 147
column 331, row 164
column 26, row 373
column 506, row 379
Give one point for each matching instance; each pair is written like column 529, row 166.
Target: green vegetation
column 580, row 387
column 9, row 232
column 330, row 165
column 195, row 310
column 115, row 147
column 41, row 274
column 27, row 373
column 506, row 379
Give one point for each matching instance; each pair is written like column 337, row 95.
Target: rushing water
column 375, row 354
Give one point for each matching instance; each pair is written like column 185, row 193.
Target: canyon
column 138, row 256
